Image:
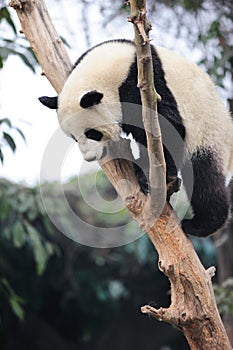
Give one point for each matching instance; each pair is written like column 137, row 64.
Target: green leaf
column 14, row 300
column 7, row 233
column 16, row 307
column 65, row 42
column 5, row 52
column 21, row 133
column 1, row 156
column 6, row 121
column 40, row 254
column 5, row 14
column 10, row 141
column 18, row 235
column 24, row 202
column 26, row 61
column 4, row 205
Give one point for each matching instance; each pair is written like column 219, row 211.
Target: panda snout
column 90, row 158
column 91, row 149
column 95, row 154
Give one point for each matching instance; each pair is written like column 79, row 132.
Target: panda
column 100, row 99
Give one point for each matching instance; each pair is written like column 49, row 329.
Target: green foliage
column 82, row 295
column 224, row 297
column 6, row 139
column 13, row 44
column 4, row 14
column 20, row 210
column 16, row 302
column 218, row 35
column 192, row 5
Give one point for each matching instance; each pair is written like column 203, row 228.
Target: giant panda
column 93, row 108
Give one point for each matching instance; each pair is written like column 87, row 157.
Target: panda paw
column 142, row 179
column 173, row 185
column 143, row 183
column 190, row 227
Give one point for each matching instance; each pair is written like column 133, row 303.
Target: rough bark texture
column 193, row 309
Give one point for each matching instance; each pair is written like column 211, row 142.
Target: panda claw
column 173, row 185
column 144, row 186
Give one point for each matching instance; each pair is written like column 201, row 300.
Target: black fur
column 172, row 128
column 203, row 179
column 50, row 102
column 91, row 98
column 208, row 195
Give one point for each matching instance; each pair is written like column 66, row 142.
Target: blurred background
column 55, row 291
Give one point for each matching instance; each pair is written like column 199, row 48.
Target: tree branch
column 193, row 308
column 149, row 97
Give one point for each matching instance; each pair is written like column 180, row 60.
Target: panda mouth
column 104, row 153
column 91, row 159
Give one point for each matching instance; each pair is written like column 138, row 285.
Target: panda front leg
column 205, row 186
column 141, row 168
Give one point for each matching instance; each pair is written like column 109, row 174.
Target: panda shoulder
column 173, row 62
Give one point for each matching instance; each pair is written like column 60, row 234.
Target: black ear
column 91, row 98
column 50, row 102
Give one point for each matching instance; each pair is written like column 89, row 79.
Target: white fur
column 104, row 68
column 205, row 118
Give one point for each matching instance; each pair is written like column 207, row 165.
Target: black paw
column 191, row 228
column 173, row 185
column 143, row 183
column 142, row 179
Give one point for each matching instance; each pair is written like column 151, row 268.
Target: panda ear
column 50, row 102
column 90, row 99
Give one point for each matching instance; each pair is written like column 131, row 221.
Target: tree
column 193, row 308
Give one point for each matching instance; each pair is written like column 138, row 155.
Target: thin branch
column 149, row 97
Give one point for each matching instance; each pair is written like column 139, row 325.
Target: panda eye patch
column 93, row 134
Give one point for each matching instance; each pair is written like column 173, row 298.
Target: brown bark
column 149, row 99
column 193, row 308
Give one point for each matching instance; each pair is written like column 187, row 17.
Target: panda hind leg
column 208, row 195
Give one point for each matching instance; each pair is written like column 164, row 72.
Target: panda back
column 207, row 122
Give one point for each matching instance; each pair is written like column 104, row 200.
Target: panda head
column 89, row 107
column 90, row 122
